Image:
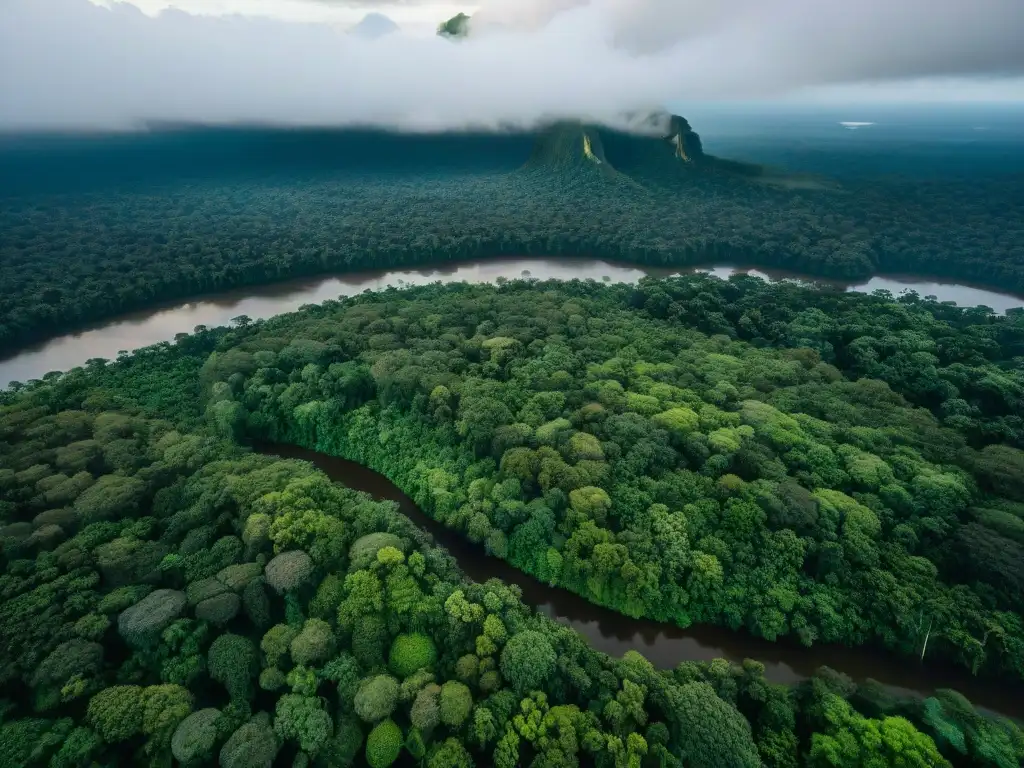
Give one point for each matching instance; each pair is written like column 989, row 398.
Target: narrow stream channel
column 663, row 644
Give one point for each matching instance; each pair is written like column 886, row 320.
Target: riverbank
column 162, row 323
column 666, row 645
column 96, row 227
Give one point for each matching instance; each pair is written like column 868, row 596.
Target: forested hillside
column 668, row 473
column 90, row 228
column 827, row 466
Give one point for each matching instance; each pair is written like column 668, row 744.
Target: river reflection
column 666, row 645
column 140, row 329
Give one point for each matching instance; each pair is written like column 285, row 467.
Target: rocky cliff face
column 684, row 140
column 568, row 143
column 659, row 144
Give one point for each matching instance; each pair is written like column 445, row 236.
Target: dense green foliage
column 411, row 653
column 326, row 203
column 593, row 435
column 680, row 476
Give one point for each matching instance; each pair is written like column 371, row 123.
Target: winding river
column 140, row 329
column 663, row 644
column 605, row 630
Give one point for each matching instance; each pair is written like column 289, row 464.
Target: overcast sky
column 413, row 15
column 72, row 63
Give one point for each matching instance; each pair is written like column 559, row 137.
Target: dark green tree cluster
column 337, row 633
column 169, row 597
column 963, row 364
column 78, row 256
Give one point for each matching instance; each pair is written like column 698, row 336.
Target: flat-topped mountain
column 657, row 148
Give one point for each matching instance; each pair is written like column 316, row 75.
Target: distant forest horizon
column 96, row 225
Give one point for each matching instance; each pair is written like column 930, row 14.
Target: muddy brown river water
column 141, row 329
column 663, row 644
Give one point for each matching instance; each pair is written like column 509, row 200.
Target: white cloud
column 68, row 63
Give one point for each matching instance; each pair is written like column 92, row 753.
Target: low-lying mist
column 70, row 64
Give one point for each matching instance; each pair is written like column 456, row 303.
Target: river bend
column 140, row 329
column 666, row 645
